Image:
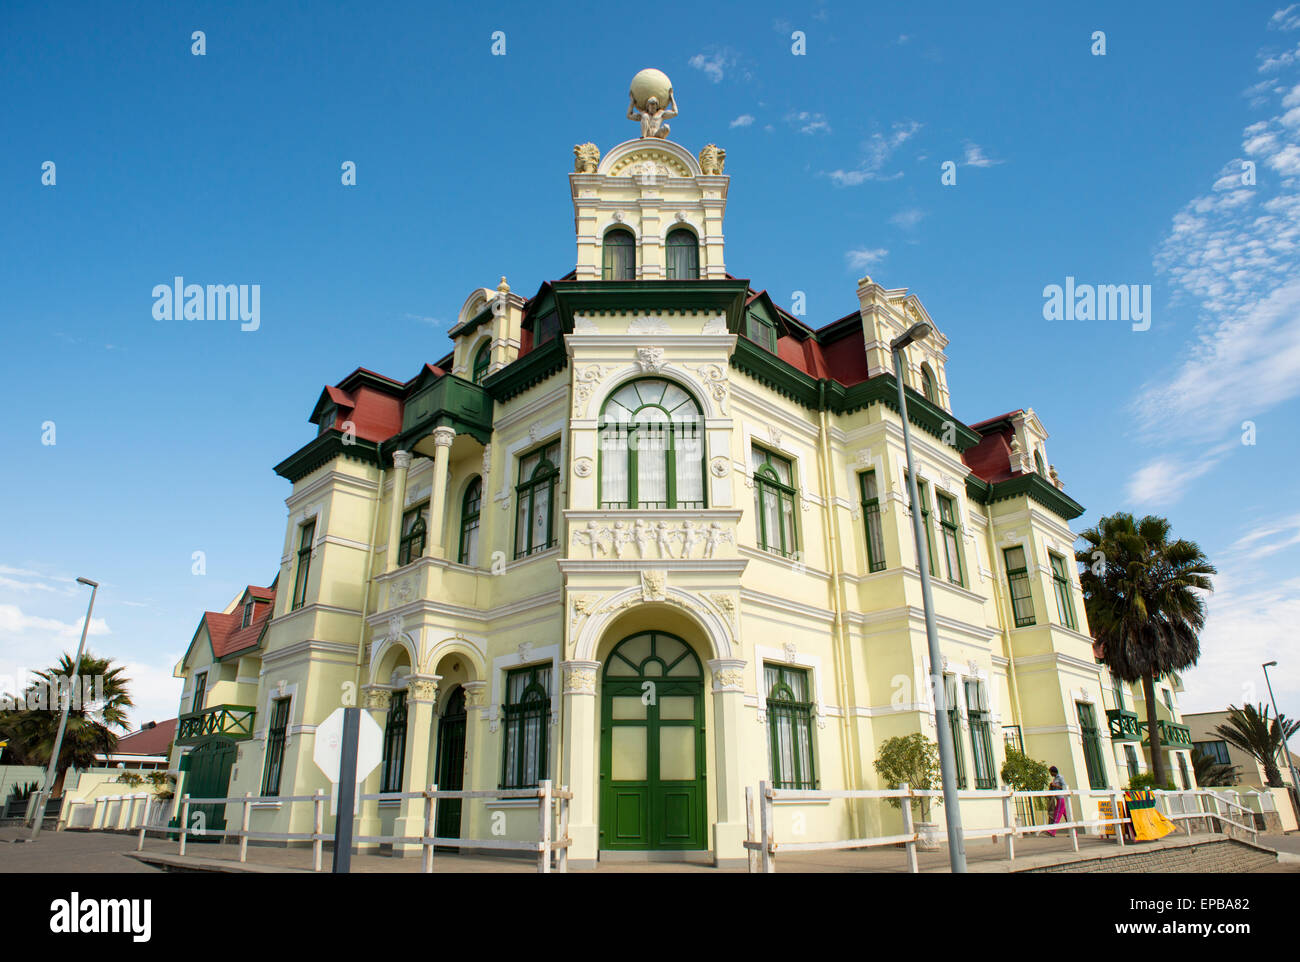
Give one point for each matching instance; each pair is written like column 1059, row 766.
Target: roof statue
column 650, row 101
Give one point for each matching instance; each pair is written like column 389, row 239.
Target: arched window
column 482, row 358
column 535, row 497
column 469, row 515
column 928, row 387
column 683, row 255
column 651, row 447
column 1038, row 462
column 620, row 255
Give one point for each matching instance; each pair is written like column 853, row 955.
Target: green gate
column 652, row 779
column 207, row 775
column 450, row 765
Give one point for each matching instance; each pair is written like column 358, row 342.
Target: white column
column 401, row 462
column 442, row 438
column 580, row 763
column 728, row 712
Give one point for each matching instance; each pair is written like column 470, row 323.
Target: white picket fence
column 552, row 803
column 764, row 846
column 117, row 813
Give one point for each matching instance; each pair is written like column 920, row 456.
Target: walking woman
column 1058, row 801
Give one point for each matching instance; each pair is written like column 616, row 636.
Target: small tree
column 1025, row 774
column 913, row 759
column 1210, row 772
column 1250, row 729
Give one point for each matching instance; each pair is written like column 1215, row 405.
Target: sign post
column 349, row 744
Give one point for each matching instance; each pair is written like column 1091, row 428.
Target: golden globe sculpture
column 651, row 83
column 651, row 103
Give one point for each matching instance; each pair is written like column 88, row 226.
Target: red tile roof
column 228, row 637
column 148, row 740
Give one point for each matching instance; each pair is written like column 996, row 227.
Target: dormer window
column 683, row 255
column 545, row 328
column 928, row 387
column 481, row 360
column 248, row 614
column 762, row 332
column 327, row 418
column 619, row 256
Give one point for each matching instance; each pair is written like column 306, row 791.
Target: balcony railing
column 1171, row 734
column 232, row 721
column 1124, row 725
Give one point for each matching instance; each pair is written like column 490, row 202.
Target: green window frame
column 527, row 726
column 762, row 332
column 682, row 250
column 1064, row 598
column 790, row 715
column 1182, row 769
column 1091, row 745
column 954, row 726
column 482, row 360
column 1216, row 750
column 306, row 533
column 1022, row 595
column 774, row 503
column 981, row 734
column 651, row 439
column 535, row 500
column 275, row 739
column 1131, row 760
column 471, row 507
column 923, row 493
column 1119, row 694
column 928, row 388
column 200, row 690
column 1169, row 698
column 952, row 551
column 871, row 521
column 415, row 532
column 394, row 768
column 247, row 618
column 618, row 255
column 327, row 419
column 1039, row 464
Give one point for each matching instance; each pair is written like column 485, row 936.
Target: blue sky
column 225, row 169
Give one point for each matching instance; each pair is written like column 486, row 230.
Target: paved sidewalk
column 111, row 852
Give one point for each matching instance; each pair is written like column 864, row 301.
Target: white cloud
column 808, row 123
column 864, row 258
column 714, row 63
column 975, row 157
column 908, row 219
column 423, row 319
column 1288, row 19
column 744, row 120
column 877, row 151
column 156, row 693
column 1164, row 480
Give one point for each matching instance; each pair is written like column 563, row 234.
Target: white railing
column 115, row 813
column 551, row 802
column 1203, row 805
column 765, row 847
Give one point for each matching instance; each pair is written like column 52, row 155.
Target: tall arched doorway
column 449, row 768
column 652, row 746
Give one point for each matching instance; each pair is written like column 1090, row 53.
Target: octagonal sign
column 329, row 745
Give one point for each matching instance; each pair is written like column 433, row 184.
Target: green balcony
column 1171, row 735
column 1124, row 725
column 232, row 721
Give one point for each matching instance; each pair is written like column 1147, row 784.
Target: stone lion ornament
column 651, row 102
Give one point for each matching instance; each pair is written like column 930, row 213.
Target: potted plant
column 912, row 760
column 1025, row 774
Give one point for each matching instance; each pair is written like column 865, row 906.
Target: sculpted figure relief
column 654, row 117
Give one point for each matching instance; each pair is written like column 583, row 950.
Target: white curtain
column 652, row 457
column 613, row 464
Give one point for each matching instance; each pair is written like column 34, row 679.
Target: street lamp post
column 1286, row 752
column 947, row 764
column 53, row 767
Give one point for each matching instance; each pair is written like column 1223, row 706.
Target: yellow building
column 645, row 533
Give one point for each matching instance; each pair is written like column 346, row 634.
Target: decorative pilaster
column 442, row 438
column 401, row 463
column 476, row 776
column 580, row 763
column 728, row 710
column 421, row 696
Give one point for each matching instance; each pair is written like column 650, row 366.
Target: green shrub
column 1145, row 780
column 130, row 778
column 913, row 759
column 1025, row 774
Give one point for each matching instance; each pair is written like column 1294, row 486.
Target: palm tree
column 1141, row 593
column 1250, row 729
column 1210, row 772
column 31, row 730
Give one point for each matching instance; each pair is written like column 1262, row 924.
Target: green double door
column 207, row 775
column 652, row 746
